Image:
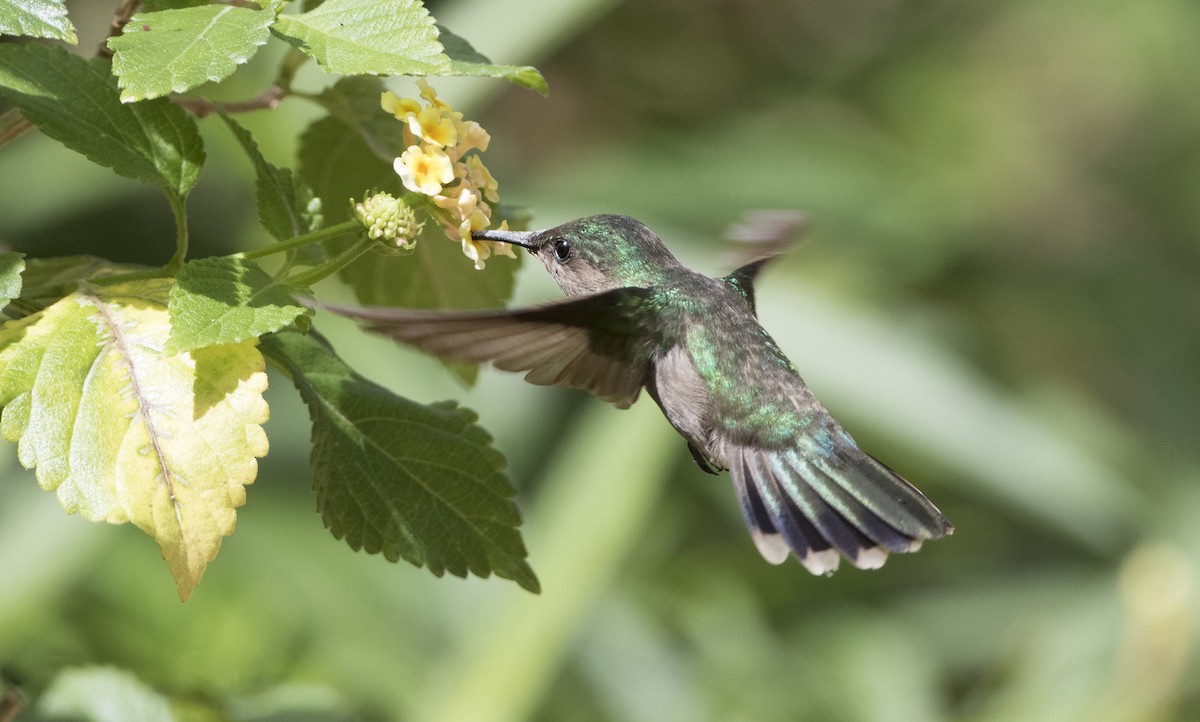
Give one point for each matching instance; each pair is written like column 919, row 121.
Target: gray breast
column 683, row 396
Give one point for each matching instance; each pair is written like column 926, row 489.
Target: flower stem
column 321, row 236
column 335, row 264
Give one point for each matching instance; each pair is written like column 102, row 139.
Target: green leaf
column 413, row 482
column 287, row 206
column 171, row 51
column 37, row 19
column 355, row 37
column 12, row 264
column 466, row 60
column 75, row 101
column 103, row 694
column 43, row 276
column 122, row 432
column 224, row 300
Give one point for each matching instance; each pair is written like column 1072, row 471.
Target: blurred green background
column 999, row 296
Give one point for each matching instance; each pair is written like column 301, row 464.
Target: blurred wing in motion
column 593, row 343
column 759, row 238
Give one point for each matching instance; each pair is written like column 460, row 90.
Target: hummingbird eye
column 562, row 249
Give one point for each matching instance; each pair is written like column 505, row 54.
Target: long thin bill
column 523, row 239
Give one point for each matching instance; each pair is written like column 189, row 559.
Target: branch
column 124, row 11
column 200, row 107
column 13, row 125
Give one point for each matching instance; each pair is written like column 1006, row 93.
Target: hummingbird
column 636, row 318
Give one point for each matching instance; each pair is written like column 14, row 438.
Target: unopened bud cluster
column 388, row 220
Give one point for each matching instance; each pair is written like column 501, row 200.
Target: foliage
column 136, row 392
column 124, row 431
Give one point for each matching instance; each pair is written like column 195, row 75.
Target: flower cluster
column 439, row 163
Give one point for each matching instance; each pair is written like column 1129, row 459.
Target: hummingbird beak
column 524, row 239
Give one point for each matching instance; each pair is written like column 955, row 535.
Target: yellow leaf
column 122, row 432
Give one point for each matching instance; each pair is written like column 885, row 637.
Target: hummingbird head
column 594, row 254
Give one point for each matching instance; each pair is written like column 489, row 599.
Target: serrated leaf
column 170, row 51
column 354, row 37
column 75, row 101
column 122, row 432
column 223, row 300
column 103, row 694
column 466, row 60
column 287, row 206
column 37, row 19
column 413, row 482
column 12, row 264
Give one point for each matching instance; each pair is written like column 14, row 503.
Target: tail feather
column 882, row 491
column 839, row 531
column 788, row 528
column 868, row 522
column 771, row 545
column 818, row 506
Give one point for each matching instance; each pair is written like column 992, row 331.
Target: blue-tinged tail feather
column 823, row 503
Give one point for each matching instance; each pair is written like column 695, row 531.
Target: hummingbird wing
column 762, row 236
column 595, row 343
column 823, row 497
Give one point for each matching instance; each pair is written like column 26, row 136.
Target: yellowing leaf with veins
column 122, row 432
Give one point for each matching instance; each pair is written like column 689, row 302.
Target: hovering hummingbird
column 637, row 318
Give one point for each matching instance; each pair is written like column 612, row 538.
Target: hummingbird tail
column 823, row 503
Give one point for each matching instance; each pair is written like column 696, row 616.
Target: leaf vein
column 145, row 406
column 334, row 413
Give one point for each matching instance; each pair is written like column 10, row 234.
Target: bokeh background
column 999, row 296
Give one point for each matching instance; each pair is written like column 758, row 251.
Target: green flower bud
column 388, row 220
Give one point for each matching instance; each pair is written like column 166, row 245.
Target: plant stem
column 181, row 236
column 321, row 236
column 335, row 264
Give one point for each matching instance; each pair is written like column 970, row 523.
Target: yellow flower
column 479, row 176
column 397, row 106
column 442, row 162
column 467, row 213
column 472, row 214
column 424, row 170
column 430, row 96
column 477, row 251
column 433, row 126
column 500, row 248
column 471, row 135
column 477, row 220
